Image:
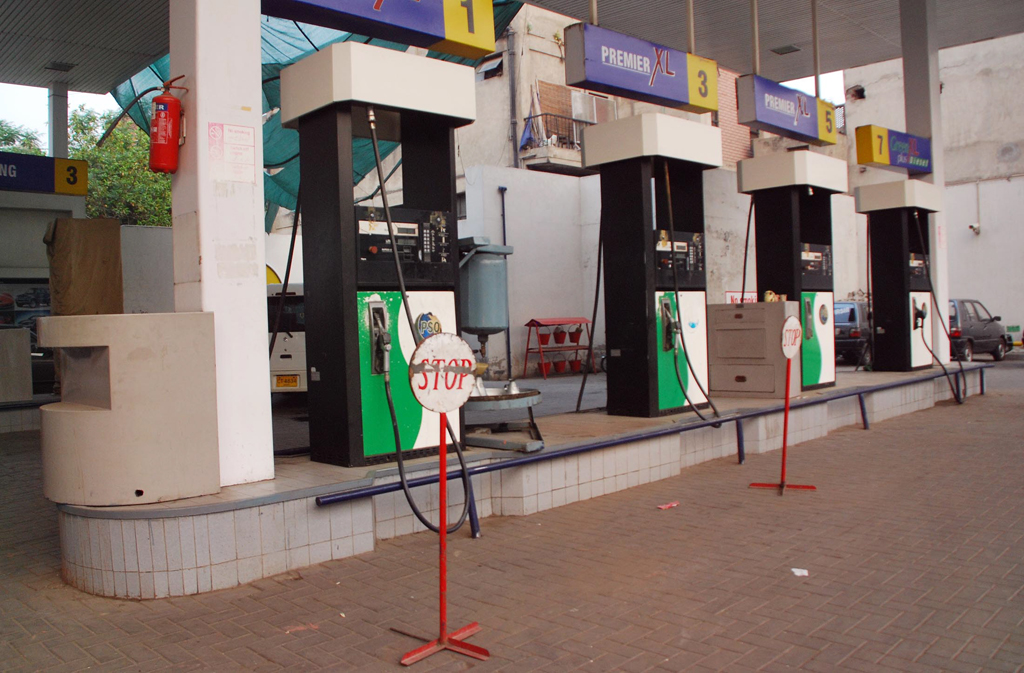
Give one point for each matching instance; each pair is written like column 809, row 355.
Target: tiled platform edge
column 180, row 555
column 19, row 419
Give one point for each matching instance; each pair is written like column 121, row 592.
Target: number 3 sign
column 792, row 335
column 441, row 373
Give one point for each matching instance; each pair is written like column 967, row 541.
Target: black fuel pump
column 652, row 222
column 902, row 297
column 792, row 195
column 361, row 323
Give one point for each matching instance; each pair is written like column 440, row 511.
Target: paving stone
column 913, row 544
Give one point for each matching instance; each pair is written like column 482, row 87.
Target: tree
column 121, row 186
column 18, row 139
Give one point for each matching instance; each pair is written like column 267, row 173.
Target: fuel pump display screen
column 688, row 259
column 918, row 267
column 816, row 264
column 424, row 241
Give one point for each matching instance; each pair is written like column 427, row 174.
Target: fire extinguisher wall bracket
column 167, row 130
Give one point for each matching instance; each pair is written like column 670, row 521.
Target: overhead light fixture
column 785, row 49
column 60, row 66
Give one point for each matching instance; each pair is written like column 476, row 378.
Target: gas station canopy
column 852, row 32
column 93, row 46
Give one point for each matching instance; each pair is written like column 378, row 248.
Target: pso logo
column 428, row 325
column 823, row 315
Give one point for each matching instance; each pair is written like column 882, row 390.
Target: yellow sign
column 827, row 131
column 287, row 381
column 70, row 177
column 468, row 28
column 872, row 145
column 702, row 75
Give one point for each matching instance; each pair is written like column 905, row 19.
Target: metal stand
column 782, row 485
column 493, row 439
column 446, row 641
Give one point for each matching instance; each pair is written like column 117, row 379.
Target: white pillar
column 217, row 206
column 920, row 40
column 58, row 131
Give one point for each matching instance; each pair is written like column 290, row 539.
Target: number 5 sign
column 441, row 373
column 792, row 335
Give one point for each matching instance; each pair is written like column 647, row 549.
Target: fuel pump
column 792, row 193
column 902, row 299
column 361, row 324
column 652, row 219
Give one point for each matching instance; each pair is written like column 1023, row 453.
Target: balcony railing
column 548, row 129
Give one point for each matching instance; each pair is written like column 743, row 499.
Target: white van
column 288, row 361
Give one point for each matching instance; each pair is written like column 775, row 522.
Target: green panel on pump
column 694, row 322
column 419, row 428
column 818, row 351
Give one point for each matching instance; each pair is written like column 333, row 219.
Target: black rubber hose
column 746, row 248
column 443, row 483
column 593, row 321
column 945, row 327
column 675, row 361
column 675, row 287
column 287, row 270
column 124, row 111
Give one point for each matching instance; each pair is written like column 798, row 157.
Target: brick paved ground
column 914, row 545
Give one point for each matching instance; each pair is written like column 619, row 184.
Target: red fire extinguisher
column 166, row 131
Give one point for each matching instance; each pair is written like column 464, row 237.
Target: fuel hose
column 442, row 481
column 678, row 320
column 945, row 328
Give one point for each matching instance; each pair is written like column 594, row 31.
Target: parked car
column 6, row 301
column 37, row 296
column 972, row 330
column 853, row 345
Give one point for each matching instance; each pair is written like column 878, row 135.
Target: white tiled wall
column 16, row 420
column 154, row 558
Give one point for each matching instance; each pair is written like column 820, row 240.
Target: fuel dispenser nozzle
column 920, row 313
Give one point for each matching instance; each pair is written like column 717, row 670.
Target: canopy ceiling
column 851, row 32
column 107, row 41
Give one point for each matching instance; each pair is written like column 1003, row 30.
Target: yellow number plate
column 287, row 381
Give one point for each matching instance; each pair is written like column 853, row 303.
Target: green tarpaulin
column 285, row 42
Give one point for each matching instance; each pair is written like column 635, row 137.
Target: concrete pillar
column 920, row 39
column 217, row 207
column 58, row 131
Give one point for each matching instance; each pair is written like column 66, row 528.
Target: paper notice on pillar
column 232, row 152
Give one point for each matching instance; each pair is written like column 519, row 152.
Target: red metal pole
column 785, row 423
column 443, row 526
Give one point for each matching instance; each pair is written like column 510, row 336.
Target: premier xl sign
column 765, row 105
column 603, row 60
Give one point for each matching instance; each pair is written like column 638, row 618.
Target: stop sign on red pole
column 792, row 334
column 441, row 372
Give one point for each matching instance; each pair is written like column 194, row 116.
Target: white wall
column 725, row 222
column 988, row 266
column 552, row 222
column 24, row 217
column 545, row 226
column 147, row 269
column 982, row 99
column 983, row 128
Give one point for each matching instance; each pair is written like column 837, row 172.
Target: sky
column 833, row 88
column 27, row 106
